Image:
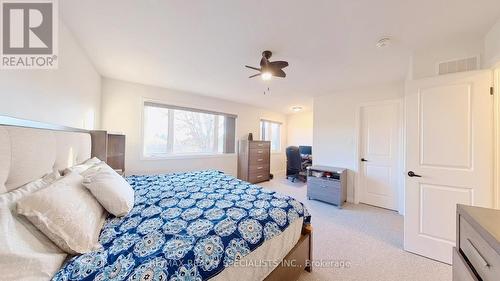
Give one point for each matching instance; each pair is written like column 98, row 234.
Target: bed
column 183, row 226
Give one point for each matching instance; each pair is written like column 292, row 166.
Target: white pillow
column 25, row 252
column 80, row 168
column 67, row 213
column 111, row 190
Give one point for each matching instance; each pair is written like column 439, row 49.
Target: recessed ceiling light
column 266, row 75
column 383, row 42
column 297, row 108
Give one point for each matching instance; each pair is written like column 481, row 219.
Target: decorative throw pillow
column 25, row 252
column 67, row 213
column 111, row 190
column 80, row 168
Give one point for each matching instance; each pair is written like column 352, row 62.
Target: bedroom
column 159, row 91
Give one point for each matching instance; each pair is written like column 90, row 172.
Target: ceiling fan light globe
column 266, row 76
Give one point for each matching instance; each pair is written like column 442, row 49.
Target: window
column 271, row 131
column 172, row 130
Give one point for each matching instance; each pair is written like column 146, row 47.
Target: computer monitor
column 305, row 149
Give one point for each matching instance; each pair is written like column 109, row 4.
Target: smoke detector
column 383, row 42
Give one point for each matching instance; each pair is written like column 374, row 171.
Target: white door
column 379, row 150
column 449, row 144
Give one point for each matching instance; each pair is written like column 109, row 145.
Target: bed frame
column 297, row 260
column 292, row 266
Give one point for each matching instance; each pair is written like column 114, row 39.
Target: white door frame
column 401, row 160
column 496, row 125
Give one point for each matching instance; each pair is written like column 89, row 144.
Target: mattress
column 193, row 226
column 258, row 264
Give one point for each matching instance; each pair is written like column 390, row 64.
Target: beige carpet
column 368, row 239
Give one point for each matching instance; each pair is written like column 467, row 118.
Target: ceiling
column 202, row 46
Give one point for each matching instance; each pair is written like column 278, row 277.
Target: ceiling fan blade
column 279, row 73
column 255, row 75
column 251, row 67
column 278, row 64
column 263, row 62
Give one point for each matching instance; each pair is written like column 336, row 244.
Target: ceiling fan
column 268, row 68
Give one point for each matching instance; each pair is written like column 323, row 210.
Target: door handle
column 412, row 174
column 364, row 160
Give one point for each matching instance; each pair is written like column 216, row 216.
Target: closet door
column 380, row 144
column 449, row 149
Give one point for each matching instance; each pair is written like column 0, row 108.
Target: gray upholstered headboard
column 28, row 153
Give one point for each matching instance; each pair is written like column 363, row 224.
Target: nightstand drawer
column 324, row 190
column 322, row 183
column 478, row 252
column 461, row 270
column 323, row 193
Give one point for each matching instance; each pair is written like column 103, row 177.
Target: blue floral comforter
column 185, row 226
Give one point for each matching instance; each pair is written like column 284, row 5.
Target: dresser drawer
column 259, row 151
column 258, row 159
column 461, row 270
column 478, row 252
column 258, row 177
column 259, row 144
column 258, row 168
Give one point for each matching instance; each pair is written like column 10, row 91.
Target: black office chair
column 295, row 167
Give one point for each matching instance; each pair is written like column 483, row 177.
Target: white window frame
column 270, row 133
column 170, row 135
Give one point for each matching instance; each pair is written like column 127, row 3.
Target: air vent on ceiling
column 461, row 65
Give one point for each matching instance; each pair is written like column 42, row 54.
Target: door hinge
column 492, row 91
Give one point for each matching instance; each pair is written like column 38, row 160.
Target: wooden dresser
column 254, row 161
column 477, row 254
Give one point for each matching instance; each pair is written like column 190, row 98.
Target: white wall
column 69, row 95
column 335, row 135
column 492, row 46
column 300, row 128
column 122, row 112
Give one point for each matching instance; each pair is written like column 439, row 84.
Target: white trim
column 216, row 134
column 357, row 140
column 271, row 121
column 496, row 155
column 184, row 108
column 187, row 156
column 270, row 132
column 141, row 124
column 170, row 132
column 402, row 202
